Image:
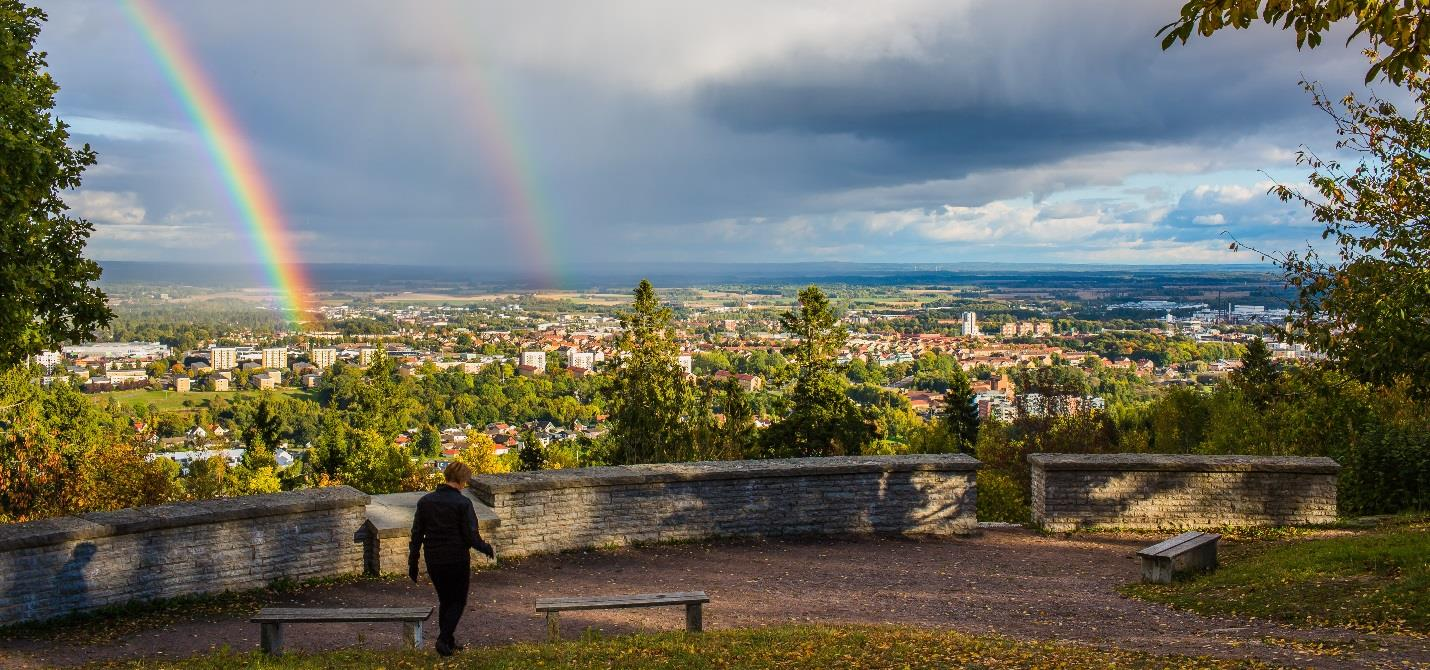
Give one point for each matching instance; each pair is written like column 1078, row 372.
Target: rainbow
column 506, row 156
column 229, row 150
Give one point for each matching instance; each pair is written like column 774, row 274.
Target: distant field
column 171, row 400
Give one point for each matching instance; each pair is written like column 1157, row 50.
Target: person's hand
column 412, row 573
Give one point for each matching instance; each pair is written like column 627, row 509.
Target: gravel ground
column 1007, row 581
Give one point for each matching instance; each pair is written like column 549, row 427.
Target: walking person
column 444, row 529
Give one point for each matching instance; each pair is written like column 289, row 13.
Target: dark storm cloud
column 1016, row 84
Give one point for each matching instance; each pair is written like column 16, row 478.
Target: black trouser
column 451, row 581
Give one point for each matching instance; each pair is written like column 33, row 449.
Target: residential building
column 535, row 359
column 580, row 359
column 124, row 376
column 365, row 355
column 48, row 360
column 686, row 361
column 275, row 358
column 218, row 383
column 324, row 357
column 261, row 382
column 181, row 384
column 223, row 358
column 970, row 324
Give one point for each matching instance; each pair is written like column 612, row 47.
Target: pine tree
column 823, row 420
column 649, row 397
column 961, row 415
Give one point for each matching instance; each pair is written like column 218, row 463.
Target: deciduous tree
column 47, row 296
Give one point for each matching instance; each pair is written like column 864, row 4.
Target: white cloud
column 107, row 207
column 1210, row 220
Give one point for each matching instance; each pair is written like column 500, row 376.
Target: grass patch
column 169, row 401
column 777, row 647
column 108, row 624
column 1376, row 581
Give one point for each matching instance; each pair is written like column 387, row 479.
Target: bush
column 1000, row 498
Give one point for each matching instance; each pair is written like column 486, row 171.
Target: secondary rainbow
column 230, row 152
column 529, row 212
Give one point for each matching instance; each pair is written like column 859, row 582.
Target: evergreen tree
column 649, row 398
column 1258, row 374
column 823, row 419
column 961, row 415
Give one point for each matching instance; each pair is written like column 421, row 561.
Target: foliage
column 480, row 455
column 1375, row 581
column 1001, row 498
column 46, row 293
column 1368, row 308
column 824, row 420
column 60, row 454
column 650, row 400
column 961, row 415
column 1400, row 26
column 811, row 647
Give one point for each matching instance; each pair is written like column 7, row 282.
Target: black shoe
column 444, row 649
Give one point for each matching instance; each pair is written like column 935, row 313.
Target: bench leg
column 694, row 618
column 271, row 639
column 412, row 634
column 553, row 627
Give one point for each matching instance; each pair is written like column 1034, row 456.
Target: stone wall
column 557, row 510
column 1170, row 492
column 70, row 564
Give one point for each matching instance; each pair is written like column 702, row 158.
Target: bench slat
column 1179, row 544
column 616, row 602
column 342, row 615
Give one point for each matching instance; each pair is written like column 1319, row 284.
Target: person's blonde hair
column 458, row 472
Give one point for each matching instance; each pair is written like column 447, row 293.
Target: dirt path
column 1007, row 581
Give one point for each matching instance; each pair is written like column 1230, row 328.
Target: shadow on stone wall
column 70, row 584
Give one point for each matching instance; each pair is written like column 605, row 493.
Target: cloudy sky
column 506, row 134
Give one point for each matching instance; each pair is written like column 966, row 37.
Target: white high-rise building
column 275, row 358
column 49, row 360
column 365, row 355
column 970, row 324
column 323, row 358
column 580, row 359
column 223, row 358
column 686, row 362
column 536, row 359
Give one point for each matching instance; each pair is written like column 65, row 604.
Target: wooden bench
column 273, row 618
column 692, row 601
column 1185, row 553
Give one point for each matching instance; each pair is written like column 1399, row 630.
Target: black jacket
column 445, row 527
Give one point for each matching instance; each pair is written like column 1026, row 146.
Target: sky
column 546, row 133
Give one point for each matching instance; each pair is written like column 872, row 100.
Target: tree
column 532, row 455
column 1257, row 375
column 1368, row 307
column 961, row 414
column 650, row 399
column 46, row 292
column 429, row 442
column 480, row 454
column 1400, row 27
column 823, row 420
